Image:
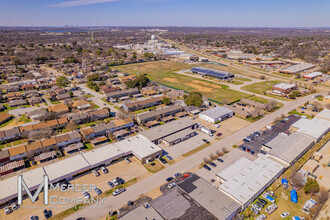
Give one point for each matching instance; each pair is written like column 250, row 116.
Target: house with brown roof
column 59, row 108
column 4, row 156
column 19, row 102
column 49, row 144
column 127, row 78
column 109, row 88
column 4, row 117
column 17, row 152
column 12, row 134
column 123, row 123
column 99, row 114
column 87, row 133
column 141, row 104
column 81, row 105
column 15, row 96
column 63, row 96
column 28, row 87
column 34, row 148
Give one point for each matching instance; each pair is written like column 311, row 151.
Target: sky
column 208, row 13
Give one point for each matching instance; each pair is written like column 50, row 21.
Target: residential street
column 148, row 184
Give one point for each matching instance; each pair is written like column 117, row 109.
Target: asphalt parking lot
column 256, row 144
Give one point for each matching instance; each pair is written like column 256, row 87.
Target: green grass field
column 164, row 72
column 260, row 87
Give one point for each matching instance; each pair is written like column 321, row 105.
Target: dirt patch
column 170, row 80
column 200, row 87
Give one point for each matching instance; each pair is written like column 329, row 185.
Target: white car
column 261, row 217
column 14, row 206
column 7, row 210
column 86, row 195
column 171, row 185
column 256, row 207
column 114, row 181
column 127, row 160
column 104, row 170
column 118, row 191
column 285, row 214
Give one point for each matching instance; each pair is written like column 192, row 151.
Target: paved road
column 148, row 184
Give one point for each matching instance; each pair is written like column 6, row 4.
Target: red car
column 185, row 176
column 219, row 134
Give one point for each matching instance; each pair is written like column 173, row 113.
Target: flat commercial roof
column 313, row 74
column 142, row 213
column 298, row 67
column 216, row 202
column 178, row 135
column 32, row 179
column 325, row 114
column 288, row 148
column 284, row 86
column 66, row 168
column 167, row 129
column 159, row 112
column 216, row 112
column 315, row 127
column 212, row 72
column 251, row 179
column 102, row 155
column 233, row 168
column 140, row 146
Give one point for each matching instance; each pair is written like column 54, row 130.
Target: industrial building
column 283, row 88
column 316, row 128
column 287, row 149
column 297, row 68
column 248, row 183
column 158, row 134
column 158, row 114
column 216, row 114
column 211, row 72
column 312, row 75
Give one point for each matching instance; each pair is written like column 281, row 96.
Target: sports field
column 164, row 72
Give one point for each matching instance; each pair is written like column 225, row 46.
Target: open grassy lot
column 260, row 87
column 164, row 72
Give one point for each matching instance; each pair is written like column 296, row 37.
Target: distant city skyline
column 206, row 13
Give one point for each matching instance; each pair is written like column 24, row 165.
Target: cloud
column 80, row 2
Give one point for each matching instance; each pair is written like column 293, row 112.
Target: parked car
column 163, row 160
column 207, row 167
column 33, row 217
column 105, row 170
column 127, row 160
column 14, row 206
column 260, row 204
column 177, row 174
column 256, row 207
column 220, row 160
column 169, row 179
column 255, row 211
column 285, row 214
column 261, row 217
column 86, row 195
column 212, row 164
column 120, row 180
column 118, row 191
column 185, row 176
column 262, row 201
column 96, row 173
column 245, row 140
column 46, row 213
column 169, row 157
column 171, row 185
column 7, row 210
column 98, row 191
column 114, row 181
column 111, row 184
column 219, row 134
column 206, row 141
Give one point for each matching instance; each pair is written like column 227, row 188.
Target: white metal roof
column 315, row 127
column 233, row 168
column 298, row 67
column 66, row 167
column 251, row 179
column 313, row 74
column 216, row 112
column 32, row 178
column 325, row 114
column 284, row 86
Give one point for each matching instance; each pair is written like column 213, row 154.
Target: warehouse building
column 211, row 72
column 157, row 134
column 312, row 75
column 216, row 114
column 324, row 114
column 232, row 169
column 287, row 149
column 316, row 128
column 283, row 88
column 214, row 201
column 158, row 114
column 248, row 183
column 297, row 68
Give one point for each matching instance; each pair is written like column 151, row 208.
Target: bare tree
column 40, row 134
column 257, row 112
column 206, row 159
column 213, row 156
column 121, row 114
column 71, row 126
column 219, row 152
column 271, row 105
column 297, row 180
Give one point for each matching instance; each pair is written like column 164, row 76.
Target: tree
column 194, row 98
column 292, row 96
column 93, row 85
column 93, row 77
column 121, row 114
column 206, row 159
column 257, row 112
column 140, row 82
column 271, row 105
column 62, row 81
column 296, row 93
column 297, row 180
column 311, row 186
column 71, row 126
column 225, row 150
column 166, row 100
column 213, row 156
column 70, row 59
column 262, row 77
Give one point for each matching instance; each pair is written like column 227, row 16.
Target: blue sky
column 219, row 13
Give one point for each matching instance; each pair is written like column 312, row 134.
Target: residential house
column 63, row 96
column 28, row 87
column 146, row 103
column 99, row 114
column 12, row 134
column 121, row 93
column 158, row 114
column 81, row 105
column 4, row 156
column 4, row 117
column 37, row 114
column 15, row 103
column 16, row 153
column 59, row 108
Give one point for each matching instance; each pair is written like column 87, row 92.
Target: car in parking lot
column 177, row 174
column 260, row 204
column 96, row 173
column 171, row 185
column 46, row 213
column 98, row 191
column 285, row 214
column 256, row 207
column 127, row 160
column 168, row 179
column 105, row 170
column 212, row 164
column 255, row 211
column 185, row 176
column 207, row 167
column 206, row 141
column 261, row 217
column 245, row 140
column 86, row 195
column 118, row 191
column 14, row 206
column 33, row 217
column 111, row 184
column 163, row 160
column 262, row 201
column 169, row 157
column 219, row 134
column 120, row 180
column 220, row 160
column 114, row 181
column 7, row 210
